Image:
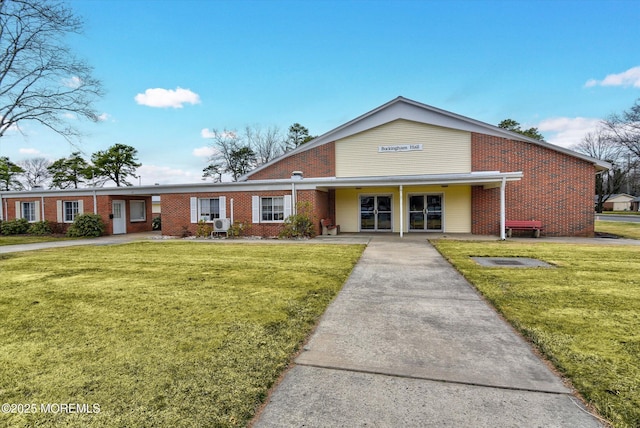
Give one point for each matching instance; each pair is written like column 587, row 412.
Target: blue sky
column 173, row 69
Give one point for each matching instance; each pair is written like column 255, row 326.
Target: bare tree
column 267, row 144
column 223, row 144
column 600, row 144
column 603, row 144
column 40, row 78
column 35, row 172
column 625, row 128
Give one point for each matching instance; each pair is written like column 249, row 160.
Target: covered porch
column 439, row 203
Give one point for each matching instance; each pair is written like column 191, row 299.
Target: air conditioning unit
column 221, row 224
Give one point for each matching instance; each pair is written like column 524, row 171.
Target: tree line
column 617, row 141
column 237, row 153
column 117, row 164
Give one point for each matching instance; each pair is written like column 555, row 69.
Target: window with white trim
column 272, row 208
column 208, row 209
column 137, row 211
column 29, row 211
column 70, row 210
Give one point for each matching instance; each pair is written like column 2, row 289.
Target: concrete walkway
column 103, row 240
column 408, row 342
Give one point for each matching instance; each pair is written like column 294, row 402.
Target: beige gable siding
column 443, row 151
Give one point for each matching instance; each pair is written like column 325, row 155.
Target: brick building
column 403, row 167
column 122, row 210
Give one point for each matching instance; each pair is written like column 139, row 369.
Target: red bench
column 534, row 225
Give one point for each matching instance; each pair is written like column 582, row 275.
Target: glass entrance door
column 425, row 212
column 375, row 213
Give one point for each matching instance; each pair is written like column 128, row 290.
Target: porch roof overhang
column 488, row 179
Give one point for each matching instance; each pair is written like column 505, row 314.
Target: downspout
column 42, row 208
column 231, row 213
column 401, row 214
column 293, row 198
column 295, row 176
column 95, row 202
column 502, row 208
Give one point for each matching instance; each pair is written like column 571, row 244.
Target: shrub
column 237, row 229
column 185, row 232
column 204, row 230
column 58, row 228
column 300, row 225
column 86, row 225
column 15, row 227
column 40, row 228
column 156, row 223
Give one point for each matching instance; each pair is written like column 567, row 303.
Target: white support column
column 401, row 213
column 502, row 208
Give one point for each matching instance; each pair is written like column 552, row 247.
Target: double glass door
column 375, row 213
column 425, row 212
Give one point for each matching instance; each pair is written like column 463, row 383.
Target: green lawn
column 620, row 228
column 584, row 315
column 165, row 334
column 28, row 239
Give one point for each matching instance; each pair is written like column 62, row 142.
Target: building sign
column 400, row 148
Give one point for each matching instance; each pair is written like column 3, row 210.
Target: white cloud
column 73, row 82
column 104, row 117
column 151, row 174
column 29, row 151
column 204, row 152
column 631, row 77
column 206, row 133
column 159, row 97
column 567, row 131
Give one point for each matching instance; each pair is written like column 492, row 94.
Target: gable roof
column 404, row 108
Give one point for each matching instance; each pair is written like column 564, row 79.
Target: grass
column 584, row 315
column 621, row 212
column 28, row 239
column 620, row 228
column 176, row 334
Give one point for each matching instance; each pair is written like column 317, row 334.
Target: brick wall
column 104, row 209
column 176, row 211
column 556, row 188
column 317, row 162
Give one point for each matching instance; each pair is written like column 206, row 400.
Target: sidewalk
column 408, row 342
column 103, row 240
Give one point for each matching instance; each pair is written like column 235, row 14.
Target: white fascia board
column 474, row 178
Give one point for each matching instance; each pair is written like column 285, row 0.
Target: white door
column 119, row 217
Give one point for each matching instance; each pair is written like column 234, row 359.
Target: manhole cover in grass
column 519, row 262
column 507, row 262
